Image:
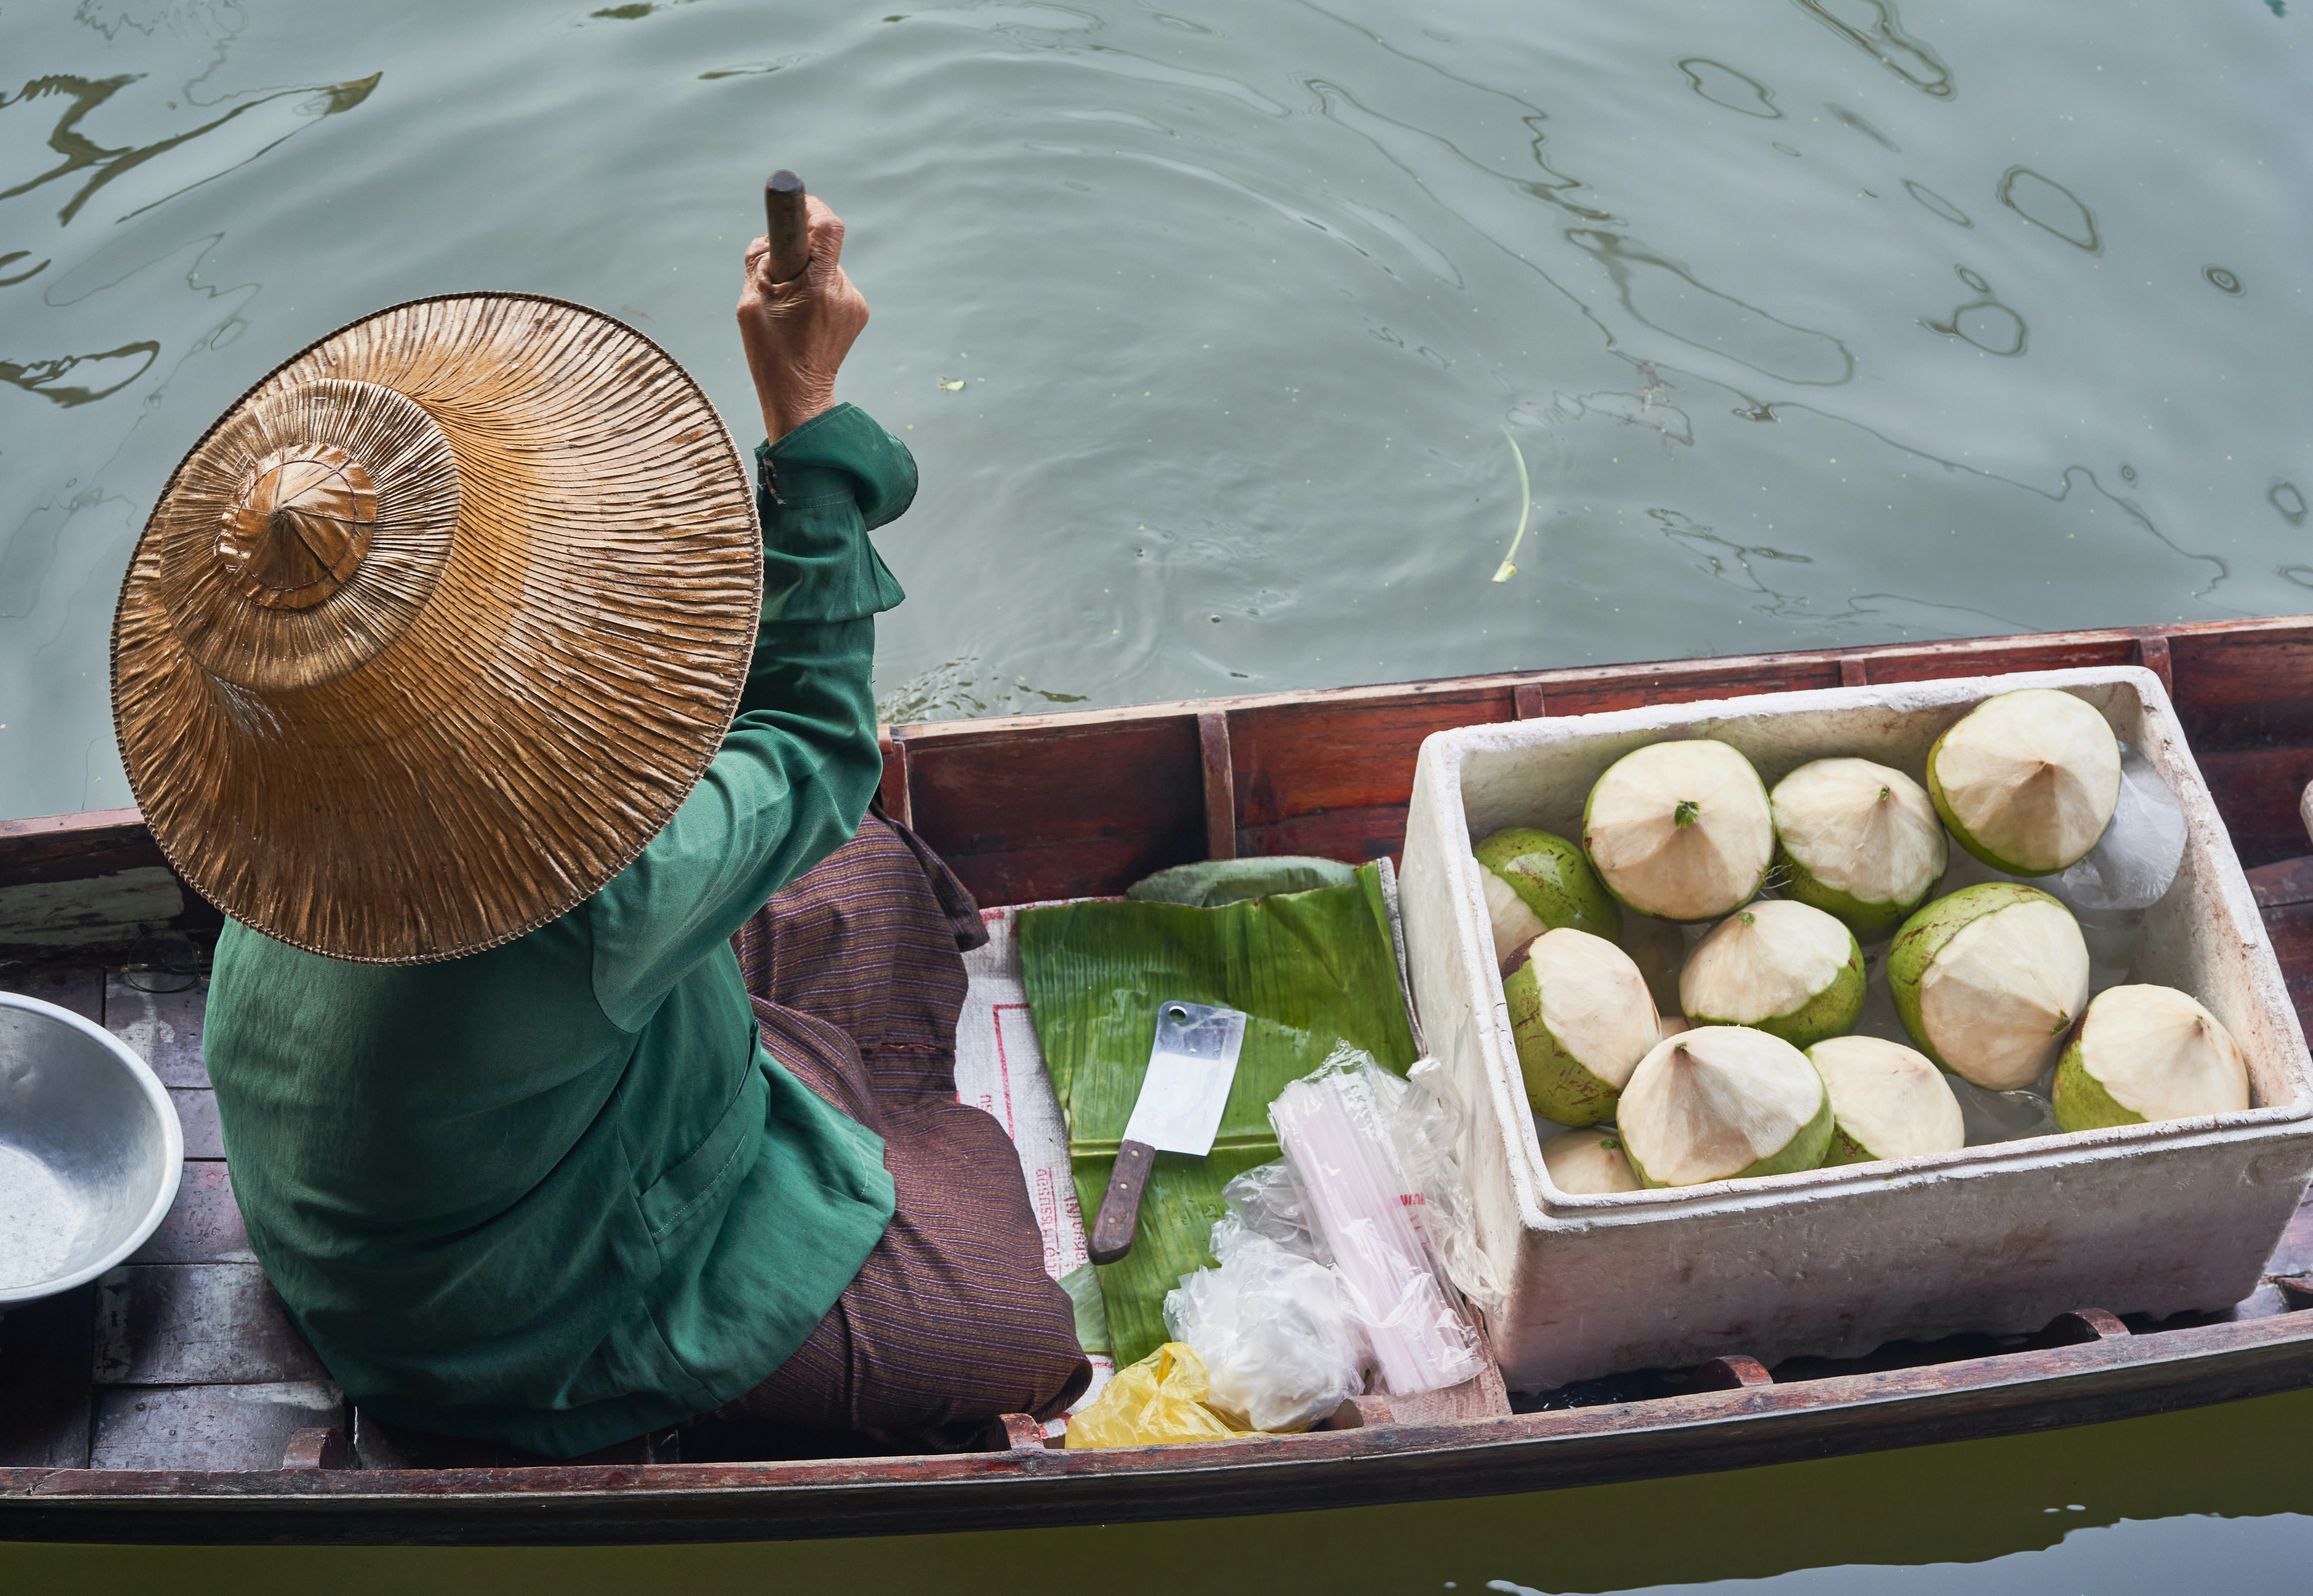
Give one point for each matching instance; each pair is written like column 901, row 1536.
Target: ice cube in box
column 2152, row 1218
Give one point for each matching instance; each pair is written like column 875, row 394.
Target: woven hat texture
column 437, row 628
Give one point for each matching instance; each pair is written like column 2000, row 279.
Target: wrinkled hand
column 797, row 334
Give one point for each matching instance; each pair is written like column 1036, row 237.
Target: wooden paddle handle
column 786, row 227
column 1120, row 1205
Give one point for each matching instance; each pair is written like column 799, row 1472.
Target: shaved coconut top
column 1582, row 1162
column 1711, row 1102
column 1680, row 829
column 2162, row 1054
column 1891, row 1101
column 1997, row 999
column 1864, row 829
column 1595, row 1002
column 1770, row 959
column 2032, row 776
column 1514, row 924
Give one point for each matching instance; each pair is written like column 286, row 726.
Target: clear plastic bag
column 1268, row 1201
column 1428, row 1131
column 1158, row 1401
column 1273, row 1330
column 2136, row 859
column 1334, row 1125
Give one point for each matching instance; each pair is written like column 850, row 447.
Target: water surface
column 1817, row 321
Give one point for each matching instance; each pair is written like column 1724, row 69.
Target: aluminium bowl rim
column 173, row 1135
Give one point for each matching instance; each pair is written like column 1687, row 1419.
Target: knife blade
column 1191, row 1065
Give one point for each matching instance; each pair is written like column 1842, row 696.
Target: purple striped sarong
column 856, row 976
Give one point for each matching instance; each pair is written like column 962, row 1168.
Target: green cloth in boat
column 557, row 1193
column 1310, row 970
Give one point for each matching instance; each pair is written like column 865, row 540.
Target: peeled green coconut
column 1792, row 971
column 1680, row 829
column 1723, row 1102
column 1988, row 979
column 1582, row 1018
column 2027, row 781
column 1587, row 1163
column 1858, row 840
column 1887, row 1100
column 2144, row 1053
column 1537, row 881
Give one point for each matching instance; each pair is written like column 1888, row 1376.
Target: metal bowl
column 90, row 1150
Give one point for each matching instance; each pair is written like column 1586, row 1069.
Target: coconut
column 1721, row 1102
column 1535, row 881
column 1582, row 1018
column 2144, row 1053
column 2027, row 781
column 1790, row 970
column 1680, row 829
column 1587, row 1162
column 1858, row 840
column 1988, row 979
column 1887, row 1101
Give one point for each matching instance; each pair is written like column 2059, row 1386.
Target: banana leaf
column 1310, row 970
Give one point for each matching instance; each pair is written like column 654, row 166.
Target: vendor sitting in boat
column 586, row 1068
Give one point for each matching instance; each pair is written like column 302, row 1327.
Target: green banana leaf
column 1310, row 970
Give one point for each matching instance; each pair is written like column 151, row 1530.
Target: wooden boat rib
column 1037, row 808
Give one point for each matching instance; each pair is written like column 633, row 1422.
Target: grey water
column 1815, row 322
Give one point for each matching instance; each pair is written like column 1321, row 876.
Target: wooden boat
column 173, row 1402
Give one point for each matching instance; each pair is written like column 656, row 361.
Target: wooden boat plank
column 2256, row 791
column 2291, row 930
column 1126, row 799
column 45, row 1349
column 164, row 1028
column 1701, row 1432
column 204, row 1224
column 2249, row 686
column 1356, row 835
column 206, row 1426
column 78, row 987
column 197, row 1324
column 197, row 1114
column 75, row 847
column 2281, row 884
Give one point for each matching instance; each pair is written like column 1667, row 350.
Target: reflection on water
column 1204, row 321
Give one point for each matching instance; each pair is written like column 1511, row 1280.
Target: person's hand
column 797, row 334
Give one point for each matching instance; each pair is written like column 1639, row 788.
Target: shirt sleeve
column 800, row 762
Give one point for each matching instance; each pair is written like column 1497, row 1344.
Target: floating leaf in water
column 1525, row 505
column 951, row 384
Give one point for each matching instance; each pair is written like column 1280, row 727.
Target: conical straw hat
column 435, row 629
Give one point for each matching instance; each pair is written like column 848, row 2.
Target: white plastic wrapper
column 1428, row 1129
column 1268, row 1201
column 1334, row 1127
column 1273, row 1330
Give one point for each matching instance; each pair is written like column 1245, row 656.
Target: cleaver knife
column 1191, row 1069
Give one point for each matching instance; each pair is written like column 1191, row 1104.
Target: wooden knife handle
column 1120, row 1205
column 785, row 226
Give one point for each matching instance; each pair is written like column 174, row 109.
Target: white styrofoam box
column 2000, row 1238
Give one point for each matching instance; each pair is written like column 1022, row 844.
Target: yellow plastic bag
column 1158, row 1401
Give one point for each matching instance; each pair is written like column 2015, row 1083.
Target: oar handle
column 786, row 227
column 1120, row 1205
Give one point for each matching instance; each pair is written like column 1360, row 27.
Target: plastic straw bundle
column 1335, row 1137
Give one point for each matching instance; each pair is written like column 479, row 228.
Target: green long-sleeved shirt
column 557, row 1193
